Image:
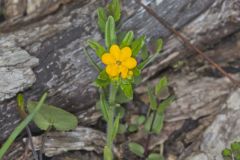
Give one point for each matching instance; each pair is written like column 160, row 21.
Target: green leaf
column 121, row 97
column 107, row 153
column 21, row 126
column 102, row 19
column 227, row 154
column 91, row 61
column 148, row 123
column 132, row 128
column 144, row 54
column 110, row 36
column 163, row 105
column 127, row 89
column 20, row 101
column 115, row 10
column 158, row 123
column 122, row 128
column 136, row 72
column 159, row 46
column 152, row 99
column 161, row 85
column 141, row 119
column 136, row 149
column 98, row 48
column 120, row 110
column 127, row 40
column 50, row 116
column 104, row 107
column 155, row 156
column 137, row 45
column 115, row 127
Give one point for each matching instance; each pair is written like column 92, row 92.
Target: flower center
column 118, row 63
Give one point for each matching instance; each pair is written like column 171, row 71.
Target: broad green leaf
column 148, row 123
column 21, row 126
column 98, row 48
column 127, row 40
column 159, row 46
column 103, row 75
column 136, row 72
column 115, row 127
column 115, row 9
column 102, row 19
column 161, row 85
column 127, row 89
column 152, row 99
column 107, row 153
column 101, row 83
column 136, row 149
column 155, row 156
column 158, row 123
column 104, row 107
column 163, row 105
column 91, row 61
column 132, row 128
column 137, row 45
column 235, row 148
column 50, row 116
column 110, row 35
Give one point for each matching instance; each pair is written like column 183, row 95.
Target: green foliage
column 104, row 107
column 158, row 123
column 110, row 35
column 137, row 45
column 127, row 40
column 91, row 61
column 148, row 123
column 115, row 127
column 127, row 89
column 136, row 149
column 233, row 153
column 102, row 19
column 98, row 48
column 21, row 126
column 155, row 156
column 52, row 117
column 163, row 105
column 152, row 99
column 161, row 85
column 107, row 153
column 159, row 46
column 115, row 10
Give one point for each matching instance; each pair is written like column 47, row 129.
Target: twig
column 187, row 43
column 31, row 143
column 43, row 142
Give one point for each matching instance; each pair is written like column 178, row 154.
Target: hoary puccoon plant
column 122, row 58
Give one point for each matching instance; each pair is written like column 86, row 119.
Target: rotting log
column 57, row 41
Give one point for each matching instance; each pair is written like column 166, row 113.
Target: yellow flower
column 119, row 62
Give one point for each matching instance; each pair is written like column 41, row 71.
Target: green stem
column 112, row 98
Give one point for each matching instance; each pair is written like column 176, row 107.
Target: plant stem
column 110, row 122
column 31, row 143
column 44, row 137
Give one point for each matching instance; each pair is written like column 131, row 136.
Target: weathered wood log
column 58, row 39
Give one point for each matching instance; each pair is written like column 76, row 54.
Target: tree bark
column 53, row 46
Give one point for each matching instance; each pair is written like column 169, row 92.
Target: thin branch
column 188, row 43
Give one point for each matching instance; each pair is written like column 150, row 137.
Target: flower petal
column 130, row 63
column 108, row 59
column 112, row 70
column 124, row 71
column 126, row 52
column 115, row 51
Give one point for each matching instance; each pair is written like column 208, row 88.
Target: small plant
column 153, row 121
column 123, row 57
column 232, row 153
column 44, row 116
